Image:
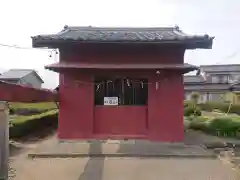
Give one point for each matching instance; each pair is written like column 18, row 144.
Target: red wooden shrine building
column 121, row 82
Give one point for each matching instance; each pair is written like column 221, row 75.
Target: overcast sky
column 25, row 18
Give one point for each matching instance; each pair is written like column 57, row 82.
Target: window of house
column 230, row 78
column 234, row 78
column 127, row 91
column 223, row 78
column 215, row 79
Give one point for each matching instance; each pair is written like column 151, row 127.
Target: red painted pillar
column 76, row 107
column 165, row 109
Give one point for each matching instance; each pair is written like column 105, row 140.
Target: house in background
column 27, row 77
column 234, row 94
column 216, row 87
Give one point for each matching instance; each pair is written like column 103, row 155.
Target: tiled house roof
column 160, row 35
column 221, row 68
column 193, row 79
column 17, row 74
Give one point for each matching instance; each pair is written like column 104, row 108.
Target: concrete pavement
column 128, row 167
column 123, row 169
column 113, row 148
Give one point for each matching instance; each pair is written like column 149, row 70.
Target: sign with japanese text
column 111, row 101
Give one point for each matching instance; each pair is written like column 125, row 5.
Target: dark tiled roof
column 221, row 68
column 17, row 74
column 163, row 35
column 193, row 79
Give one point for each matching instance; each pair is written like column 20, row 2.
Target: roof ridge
column 219, row 65
column 19, row 69
column 191, row 76
column 120, row 28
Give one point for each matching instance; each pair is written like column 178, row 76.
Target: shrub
column 225, row 126
column 28, row 112
column 39, row 106
column 11, row 111
column 199, row 125
column 188, row 111
column 24, row 125
column 221, row 126
column 186, row 103
column 203, row 118
column 195, row 97
column 186, row 123
column 217, row 111
column 235, row 109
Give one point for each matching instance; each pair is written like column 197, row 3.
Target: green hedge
column 186, row 103
column 200, row 123
column 221, row 126
column 39, row 106
column 24, row 125
column 188, row 111
column 210, row 106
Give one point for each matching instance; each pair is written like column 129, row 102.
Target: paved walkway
column 113, row 148
column 191, row 147
column 125, row 168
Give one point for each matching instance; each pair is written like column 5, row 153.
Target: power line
column 52, row 52
column 21, row 47
column 234, row 54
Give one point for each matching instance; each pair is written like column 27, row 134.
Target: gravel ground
column 11, row 172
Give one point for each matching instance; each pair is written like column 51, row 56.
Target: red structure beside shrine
column 121, row 82
column 12, row 92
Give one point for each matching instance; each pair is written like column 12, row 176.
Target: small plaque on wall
column 111, row 101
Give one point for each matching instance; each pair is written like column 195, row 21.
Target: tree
column 194, row 98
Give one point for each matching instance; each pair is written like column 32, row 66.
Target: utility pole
column 4, row 140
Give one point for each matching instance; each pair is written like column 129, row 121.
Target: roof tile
column 15, row 73
column 193, row 79
column 221, row 68
column 110, row 35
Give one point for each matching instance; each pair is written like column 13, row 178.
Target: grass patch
column 39, row 106
column 24, row 125
column 22, row 119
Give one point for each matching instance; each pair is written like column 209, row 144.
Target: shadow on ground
column 15, row 149
column 37, row 135
column 94, row 167
column 20, row 145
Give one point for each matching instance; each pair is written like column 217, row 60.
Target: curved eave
column 187, row 43
column 60, row 67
